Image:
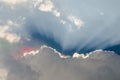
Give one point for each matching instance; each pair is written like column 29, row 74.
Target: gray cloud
column 47, row 64
column 11, row 69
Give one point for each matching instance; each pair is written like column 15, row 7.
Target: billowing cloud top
column 47, row 64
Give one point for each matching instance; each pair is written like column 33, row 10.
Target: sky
column 80, row 26
column 75, row 39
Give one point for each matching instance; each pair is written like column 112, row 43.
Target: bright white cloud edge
column 61, row 55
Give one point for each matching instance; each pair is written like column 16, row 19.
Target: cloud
column 79, row 23
column 9, row 36
column 13, row 2
column 44, row 20
column 48, row 6
column 47, row 64
column 3, row 74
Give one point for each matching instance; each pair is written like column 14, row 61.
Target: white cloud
column 46, row 6
column 3, row 74
column 33, row 52
column 79, row 23
column 56, row 13
column 9, row 36
column 76, row 55
column 63, row 56
column 13, row 2
column 36, row 2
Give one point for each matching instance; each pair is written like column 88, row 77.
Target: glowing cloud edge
column 75, row 55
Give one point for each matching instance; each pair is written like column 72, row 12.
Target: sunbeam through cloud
column 59, row 39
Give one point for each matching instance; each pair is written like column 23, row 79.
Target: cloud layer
column 47, row 64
